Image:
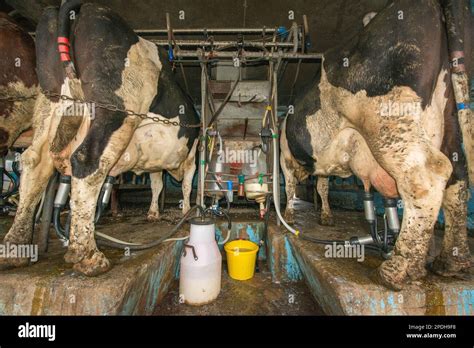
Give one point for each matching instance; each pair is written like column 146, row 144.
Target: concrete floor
column 256, row 296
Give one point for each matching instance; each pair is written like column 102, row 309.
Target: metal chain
column 18, row 98
column 110, row 107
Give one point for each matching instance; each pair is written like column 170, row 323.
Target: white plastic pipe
column 276, row 185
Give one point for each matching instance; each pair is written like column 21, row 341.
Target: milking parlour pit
column 237, row 161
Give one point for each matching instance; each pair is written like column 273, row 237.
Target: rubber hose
column 101, row 240
column 229, row 223
column 60, row 231
column 15, row 185
column 276, row 187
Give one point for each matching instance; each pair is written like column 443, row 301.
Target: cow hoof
column 289, row 216
column 75, row 253
column 393, row 273
column 450, row 268
column 153, row 217
column 327, row 220
column 93, row 265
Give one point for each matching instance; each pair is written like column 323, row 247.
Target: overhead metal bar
column 222, row 31
column 202, row 43
column 246, row 54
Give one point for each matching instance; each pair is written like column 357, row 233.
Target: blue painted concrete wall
column 252, row 230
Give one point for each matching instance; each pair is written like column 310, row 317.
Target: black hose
column 60, row 231
column 226, row 99
column 108, row 243
column 15, row 169
column 64, row 22
column 15, row 185
column 63, row 33
column 220, row 212
column 100, row 207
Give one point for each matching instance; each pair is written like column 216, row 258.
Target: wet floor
column 256, row 296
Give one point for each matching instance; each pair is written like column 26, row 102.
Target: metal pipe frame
column 202, row 152
column 204, row 31
column 262, row 55
column 202, row 43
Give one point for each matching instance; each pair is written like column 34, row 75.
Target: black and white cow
column 155, row 147
column 112, row 65
column 17, row 79
column 384, row 108
column 342, row 156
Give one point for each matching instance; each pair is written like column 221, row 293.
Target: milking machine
column 381, row 240
column 61, row 199
column 248, row 181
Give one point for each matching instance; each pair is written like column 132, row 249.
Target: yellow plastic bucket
column 241, row 258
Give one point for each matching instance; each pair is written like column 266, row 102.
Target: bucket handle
column 193, row 250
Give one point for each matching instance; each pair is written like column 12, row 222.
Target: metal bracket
column 193, row 250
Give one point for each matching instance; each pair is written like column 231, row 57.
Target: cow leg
column 37, row 169
column 290, row 188
column 455, row 256
column 421, row 172
column 322, row 187
column 89, row 169
column 156, row 187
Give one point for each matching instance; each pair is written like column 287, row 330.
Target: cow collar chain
column 110, row 107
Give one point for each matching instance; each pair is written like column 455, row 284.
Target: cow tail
column 64, row 28
column 454, row 13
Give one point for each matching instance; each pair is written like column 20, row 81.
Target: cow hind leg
column 421, row 184
column 89, row 169
column 290, row 188
column 322, row 187
column 37, row 169
column 455, row 256
column 156, row 187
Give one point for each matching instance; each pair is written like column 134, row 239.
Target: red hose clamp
column 63, row 47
